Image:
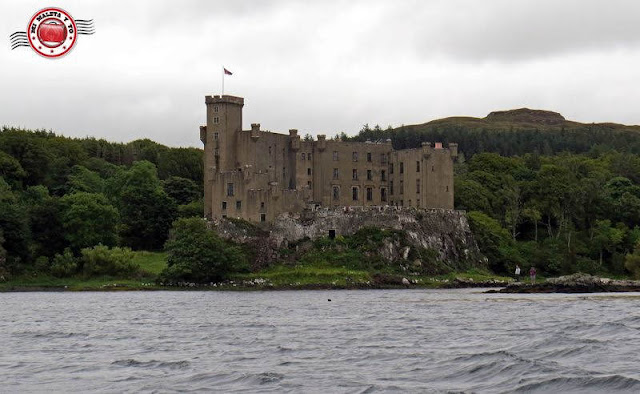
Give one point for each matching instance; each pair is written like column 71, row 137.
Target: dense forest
column 539, row 190
column 59, row 196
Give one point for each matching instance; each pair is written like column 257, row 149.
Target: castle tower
column 224, row 121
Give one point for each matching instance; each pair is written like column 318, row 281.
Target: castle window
column 215, row 136
column 335, row 155
column 229, row 189
column 391, row 187
column 432, row 169
column 308, row 171
column 224, row 205
column 269, row 149
column 369, row 176
column 215, row 108
column 401, row 187
column 284, row 172
column 354, row 155
column 391, row 168
column 238, row 205
column 216, row 152
column 335, row 173
column 402, row 167
column 447, row 188
column 383, row 194
column 418, row 166
column 336, row 193
column 354, row 193
column 369, row 194
column 262, row 205
column 418, row 203
column 417, row 186
column 263, row 217
column 309, row 184
column 369, row 157
column 383, row 175
column 303, row 156
column 402, row 203
column 224, row 216
column 216, row 120
column 355, row 174
column 308, row 156
column 383, row 158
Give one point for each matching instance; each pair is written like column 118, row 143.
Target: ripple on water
column 582, row 384
column 364, row 341
column 152, row 364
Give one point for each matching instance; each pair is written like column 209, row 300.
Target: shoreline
column 232, row 287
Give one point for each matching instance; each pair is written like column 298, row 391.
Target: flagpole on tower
column 227, row 72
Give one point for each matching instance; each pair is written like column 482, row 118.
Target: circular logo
column 52, row 32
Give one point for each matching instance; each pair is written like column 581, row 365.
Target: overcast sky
column 321, row 66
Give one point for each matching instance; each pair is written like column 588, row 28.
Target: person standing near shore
column 532, row 275
column 517, row 273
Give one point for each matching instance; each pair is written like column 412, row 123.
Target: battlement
column 224, row 99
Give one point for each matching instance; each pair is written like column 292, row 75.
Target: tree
column 15, row 228
column 82, row 179
column 88, row 219
column 606, row 237
column 44, row 213
column 4, row 271
column 182, row 190
column 197, row 254
column 146, row 210
column 11, row 170
column 492, row 239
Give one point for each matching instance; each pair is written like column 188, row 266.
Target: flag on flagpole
column 227, row 71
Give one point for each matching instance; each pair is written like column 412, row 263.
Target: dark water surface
column 361, row 341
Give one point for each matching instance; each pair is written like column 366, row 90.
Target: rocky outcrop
column 444, row 233
column 526, row 115
column 576, row 283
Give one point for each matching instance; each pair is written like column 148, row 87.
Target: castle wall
column 352, row 174
column 257, row 175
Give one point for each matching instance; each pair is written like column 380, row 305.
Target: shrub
column 632, row 264
column 64, row 264
column 100, row 260
column 42, row 264
column 193, row 209
column 197, row 254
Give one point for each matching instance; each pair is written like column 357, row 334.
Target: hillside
column 513, row 132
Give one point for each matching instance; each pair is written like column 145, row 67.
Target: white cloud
column 322, row 67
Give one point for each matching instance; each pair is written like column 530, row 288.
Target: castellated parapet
column 257, row 175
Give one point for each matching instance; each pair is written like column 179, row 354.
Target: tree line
column 60, row 196
column 564, row 198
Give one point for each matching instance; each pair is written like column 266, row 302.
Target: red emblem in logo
column 52, row 32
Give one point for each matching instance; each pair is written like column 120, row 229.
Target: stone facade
column 257, row 175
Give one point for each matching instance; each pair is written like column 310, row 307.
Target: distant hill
column 512, row 132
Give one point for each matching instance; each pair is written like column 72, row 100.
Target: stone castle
column 257, row 175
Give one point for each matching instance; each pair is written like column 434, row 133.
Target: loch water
column 299, row 341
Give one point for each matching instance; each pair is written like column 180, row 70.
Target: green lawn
column 151, row 262
column 306, row 275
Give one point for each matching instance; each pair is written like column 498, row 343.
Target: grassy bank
column 151, row 264
column 273, row 278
